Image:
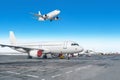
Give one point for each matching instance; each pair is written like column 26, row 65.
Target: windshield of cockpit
column 74, row 44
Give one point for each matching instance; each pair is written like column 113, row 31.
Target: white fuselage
column 50, row 15
column 65, row 47
column 42, row 49
column 53, row 14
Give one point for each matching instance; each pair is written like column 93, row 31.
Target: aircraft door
column 65, row 45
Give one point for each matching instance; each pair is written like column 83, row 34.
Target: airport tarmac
column 97, row 67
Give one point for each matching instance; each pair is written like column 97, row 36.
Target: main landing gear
column 29, row 57
column 45, row 56
column 68, row 56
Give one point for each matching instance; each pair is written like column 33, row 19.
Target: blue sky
column 85, row 20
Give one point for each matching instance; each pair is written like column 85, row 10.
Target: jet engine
column 45, row 16
column 36, row 53
column 56, row 18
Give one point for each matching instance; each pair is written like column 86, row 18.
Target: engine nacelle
column 56, row 18
column 36, row 53
column 45, row 16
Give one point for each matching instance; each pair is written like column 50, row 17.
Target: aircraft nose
column 58, row 11
column 80, row 49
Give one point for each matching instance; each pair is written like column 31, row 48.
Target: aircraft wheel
column 29, row 57
column 68, row 56
column 45, row 56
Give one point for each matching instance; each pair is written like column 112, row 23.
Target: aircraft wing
column 20, row 47
column 37, row 15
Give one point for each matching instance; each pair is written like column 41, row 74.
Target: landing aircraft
column 53, row 15
column 40, row 50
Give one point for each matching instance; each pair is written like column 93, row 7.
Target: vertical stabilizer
column 39, row 13
column 12, row 38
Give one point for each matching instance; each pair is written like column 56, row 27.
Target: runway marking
column 12, row 72
column 80, row 68
column 68, row 72
column 56, row 75
column 34, row 76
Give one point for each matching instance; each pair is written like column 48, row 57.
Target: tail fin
column 39, row 13
column 12, row 37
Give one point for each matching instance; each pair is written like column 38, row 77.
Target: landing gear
column 57, row 17
column 45, row 56
column 68, row 56
column 29, row 56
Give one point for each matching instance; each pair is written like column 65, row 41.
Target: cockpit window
column 74, row 44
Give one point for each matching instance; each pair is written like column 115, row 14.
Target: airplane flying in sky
column 53, row 15
column 40, row 50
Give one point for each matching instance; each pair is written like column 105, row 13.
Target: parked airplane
column 40, row 50
column 53, row 15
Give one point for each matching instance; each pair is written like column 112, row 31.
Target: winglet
column 12, row 37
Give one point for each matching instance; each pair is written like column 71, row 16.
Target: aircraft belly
column 51, row 15
column 55, row 49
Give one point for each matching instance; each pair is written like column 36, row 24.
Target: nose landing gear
column 68, row 56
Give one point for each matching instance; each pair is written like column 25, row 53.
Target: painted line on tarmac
column 34, row 76
column 16, row 73
column 56, row 75
column 68, row 72
column 13, row 72
column 81, row 68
